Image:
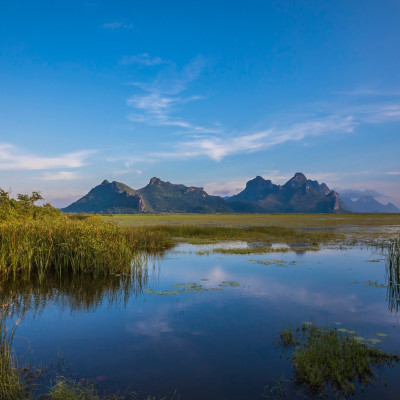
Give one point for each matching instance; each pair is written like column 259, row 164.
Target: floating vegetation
column 162, row 292
column 192, row 287
column 260, row 250
column 229, row 283
column 374, row 261
column 334, row 358
column 380, row 334
column 347, row 331
column 375, row 284
column 278, row 263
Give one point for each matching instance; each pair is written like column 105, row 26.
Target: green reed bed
column 332, row 357
column 263, row 234
column 60, row 244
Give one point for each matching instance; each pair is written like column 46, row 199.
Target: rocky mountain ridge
column 298, row 195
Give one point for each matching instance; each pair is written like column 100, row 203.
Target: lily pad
column 374, row 341
column 380, row 334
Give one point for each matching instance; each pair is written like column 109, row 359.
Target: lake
column 204, row 326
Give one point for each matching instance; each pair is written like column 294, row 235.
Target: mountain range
column 368, row 204
column 298, row 195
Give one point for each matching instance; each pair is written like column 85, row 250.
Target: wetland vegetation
column 334, row 357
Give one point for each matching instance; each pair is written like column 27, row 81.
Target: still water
column 165, row 331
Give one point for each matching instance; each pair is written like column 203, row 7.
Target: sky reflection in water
column 211, row 344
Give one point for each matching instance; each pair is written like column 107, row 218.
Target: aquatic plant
column 333, row 357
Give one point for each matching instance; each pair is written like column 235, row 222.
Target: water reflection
column 393, row 276
column 77, row 292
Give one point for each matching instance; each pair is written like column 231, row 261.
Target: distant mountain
column 156, row 197
column 299, row 194
column 260, row 196
column 368, row 204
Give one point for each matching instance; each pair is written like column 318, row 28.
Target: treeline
column 24, row 207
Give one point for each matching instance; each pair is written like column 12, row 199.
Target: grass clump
column 69, row 389
column 323, row 357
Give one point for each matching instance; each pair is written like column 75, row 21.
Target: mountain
column 156, row 197
column 166, row 197
column 299, row 194
column 367, row 204
column 260, row 196
column 109, row 198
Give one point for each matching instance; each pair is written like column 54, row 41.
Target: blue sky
column 207, row 93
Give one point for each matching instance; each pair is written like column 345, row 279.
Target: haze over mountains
column 298, row 195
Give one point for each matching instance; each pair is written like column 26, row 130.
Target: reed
column 61, row 244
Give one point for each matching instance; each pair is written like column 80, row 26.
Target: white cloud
column 13, row 158
column 117, row 25
column 60, row 176
column 144, row 59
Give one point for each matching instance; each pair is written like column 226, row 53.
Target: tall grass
column 11, row 384
column 62, row 244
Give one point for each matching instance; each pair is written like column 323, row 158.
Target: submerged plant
column 333, row 357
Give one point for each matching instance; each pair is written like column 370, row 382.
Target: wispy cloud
column 123, row 24
column 393, row 173
column 370, row 92
column 217, row 147
column 60, row 176
column 13, row 158
column 162, row 97
column 126, row 171
column 144, row 59
column 377, row 113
